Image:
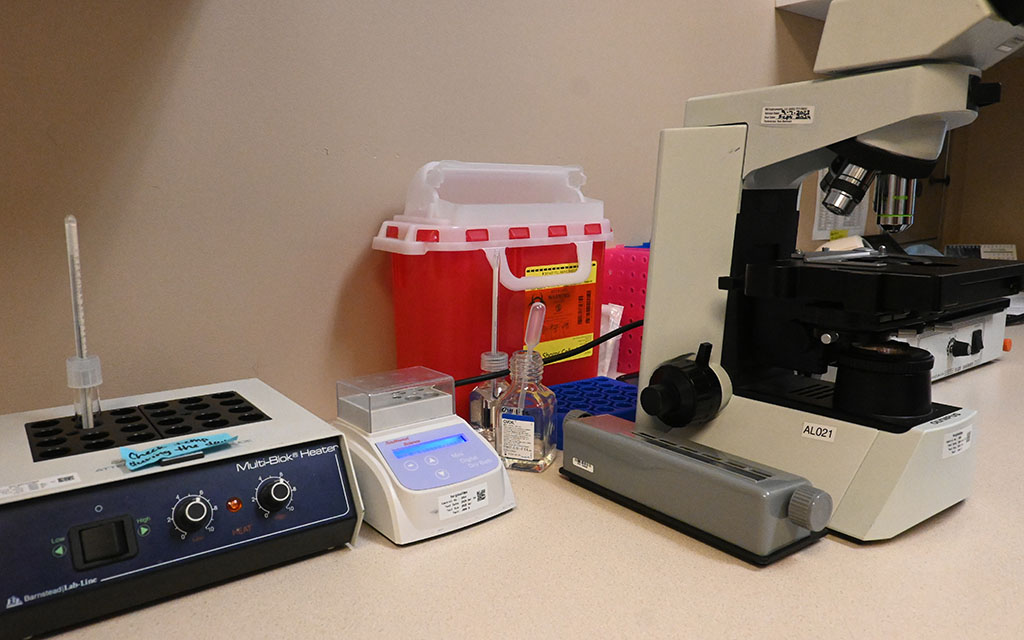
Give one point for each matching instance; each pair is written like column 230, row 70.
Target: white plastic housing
column 867, row 34
column 403, row 515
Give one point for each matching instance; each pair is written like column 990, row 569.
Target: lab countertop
column 567, row 563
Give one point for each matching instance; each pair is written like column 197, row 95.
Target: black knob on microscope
column 684, row 390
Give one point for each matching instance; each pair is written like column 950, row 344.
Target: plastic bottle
column 525, row 420
column 483, row 398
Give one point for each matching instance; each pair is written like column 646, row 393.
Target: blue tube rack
column 596, row 396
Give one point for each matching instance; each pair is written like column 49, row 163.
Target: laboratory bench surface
column 567, row 563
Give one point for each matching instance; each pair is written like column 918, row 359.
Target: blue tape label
column 139, row 459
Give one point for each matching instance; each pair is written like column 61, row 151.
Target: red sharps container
column 476, row 233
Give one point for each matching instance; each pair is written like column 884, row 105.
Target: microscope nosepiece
column 845, row 186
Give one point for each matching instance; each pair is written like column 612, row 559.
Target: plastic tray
column 597, row 396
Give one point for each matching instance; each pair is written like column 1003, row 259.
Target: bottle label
column 517, row 436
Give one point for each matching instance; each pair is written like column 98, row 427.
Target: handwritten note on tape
column 139, row 459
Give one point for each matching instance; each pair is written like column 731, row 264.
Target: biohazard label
column 569, row 319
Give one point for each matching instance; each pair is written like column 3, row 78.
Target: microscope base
column 882, row 483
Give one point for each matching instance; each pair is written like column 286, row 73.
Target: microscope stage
column 895, row 284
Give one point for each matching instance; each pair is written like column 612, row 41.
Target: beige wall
column 230, row 161
column 985, row 204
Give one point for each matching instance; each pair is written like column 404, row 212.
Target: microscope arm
column 905, row 111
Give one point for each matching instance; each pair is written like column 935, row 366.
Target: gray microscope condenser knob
column 810, row 508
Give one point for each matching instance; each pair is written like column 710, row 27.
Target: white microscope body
column 903, row 73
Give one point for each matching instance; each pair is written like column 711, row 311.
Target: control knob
column 191, row 514
column 687, row 390
column 273, row 494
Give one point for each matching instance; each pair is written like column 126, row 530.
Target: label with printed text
column 34, row 486
column 957, row 442
column 818, row 432
column 787, row 115
column 463, row 501
column 517, row 436
column 569, row 320
column 583, row 464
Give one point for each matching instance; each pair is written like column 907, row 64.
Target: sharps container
column 476, row 245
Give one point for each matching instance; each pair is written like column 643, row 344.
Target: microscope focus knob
column 687, row 390
column 810, row 508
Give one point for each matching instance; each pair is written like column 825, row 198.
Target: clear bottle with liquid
column 484, row 397
column 525, row 417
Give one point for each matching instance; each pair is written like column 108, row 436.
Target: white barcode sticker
column 787, row 115
column 464, row 501
column 583, row 464
column 34, row 486
column 957, row 442
column 1011, row 45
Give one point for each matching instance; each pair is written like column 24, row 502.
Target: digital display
column 429, row 445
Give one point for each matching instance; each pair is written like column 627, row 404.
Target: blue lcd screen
column 429, row 445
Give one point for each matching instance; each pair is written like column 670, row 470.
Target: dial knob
column 192, row 513
column 273, row 494
column 810, row 508
column 686, row 390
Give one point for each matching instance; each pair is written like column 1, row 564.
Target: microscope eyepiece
column 845, row 186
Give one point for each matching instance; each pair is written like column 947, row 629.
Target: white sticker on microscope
column 818, row 432
column 957, row 442
column 803, row 114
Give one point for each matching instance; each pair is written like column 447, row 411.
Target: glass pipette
column 83, row 371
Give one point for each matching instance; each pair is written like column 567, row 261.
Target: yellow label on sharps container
column 568, row 322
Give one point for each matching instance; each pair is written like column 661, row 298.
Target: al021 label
column 818, row 432
column 464, row 501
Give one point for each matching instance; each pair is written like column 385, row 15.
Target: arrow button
column 60, row 551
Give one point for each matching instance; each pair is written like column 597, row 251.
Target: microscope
column 738, row 440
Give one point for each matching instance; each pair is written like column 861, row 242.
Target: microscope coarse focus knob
column 685, row 390
column 810, row 508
